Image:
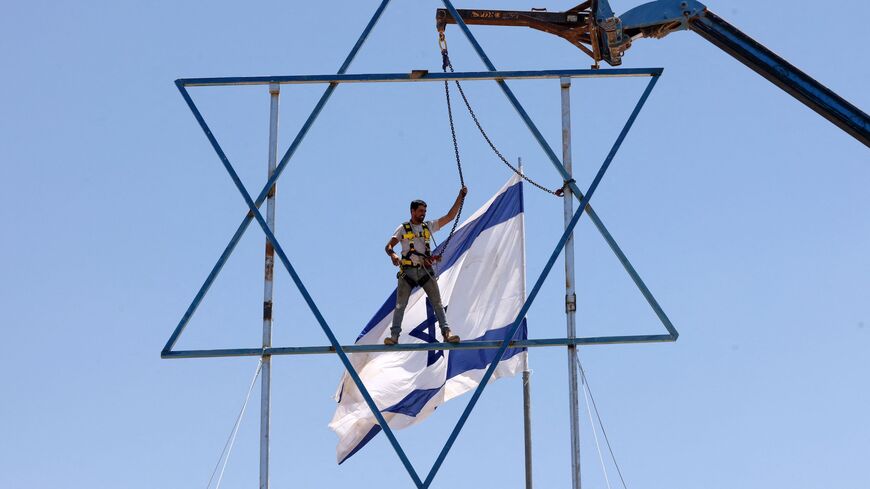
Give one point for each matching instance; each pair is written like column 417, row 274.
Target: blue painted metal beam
column 428, row 77
column 467, row 345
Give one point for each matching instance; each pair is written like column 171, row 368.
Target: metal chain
column 446, row 64
column 455, row 151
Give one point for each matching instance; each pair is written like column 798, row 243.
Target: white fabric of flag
column 482, row 283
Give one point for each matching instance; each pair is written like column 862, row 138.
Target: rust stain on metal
column 270, row 261
column 267, row 310
column 576, row 25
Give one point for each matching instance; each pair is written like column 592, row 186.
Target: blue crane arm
column 659, row 18
column 593, row 27
column 784, row 75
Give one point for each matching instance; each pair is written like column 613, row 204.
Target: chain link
column 455, row 149
column 495, row 150
column 447, row 65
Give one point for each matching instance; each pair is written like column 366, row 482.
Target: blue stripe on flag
column 413, row 403
column 461, row 361
column 507, row 205
column 383, row 312
column 371, row 434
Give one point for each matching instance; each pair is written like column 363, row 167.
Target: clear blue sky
column 744, row 211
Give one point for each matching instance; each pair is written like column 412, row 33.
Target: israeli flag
column 482, row 281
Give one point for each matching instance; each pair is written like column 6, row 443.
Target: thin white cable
column 600, row 423
column 595, row 433
column 228, row 446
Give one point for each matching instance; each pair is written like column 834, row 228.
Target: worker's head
column 418, row 211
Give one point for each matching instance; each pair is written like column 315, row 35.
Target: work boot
column 390, row 340
column 448, row 336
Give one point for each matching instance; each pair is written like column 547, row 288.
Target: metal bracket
column 571, row 303
column 659, row 18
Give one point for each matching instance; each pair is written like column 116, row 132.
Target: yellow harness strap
column 410, row 235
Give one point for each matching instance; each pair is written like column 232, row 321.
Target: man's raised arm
column 445, row 220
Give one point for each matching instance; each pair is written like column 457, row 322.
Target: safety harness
column 406, row 257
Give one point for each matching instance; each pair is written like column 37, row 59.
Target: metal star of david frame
column 336, row 347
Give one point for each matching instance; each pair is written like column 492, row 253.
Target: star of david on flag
column 482, row 282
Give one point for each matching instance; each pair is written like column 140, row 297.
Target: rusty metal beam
column 573, row 25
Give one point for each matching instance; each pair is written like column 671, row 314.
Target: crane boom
column 592, row 27
column 784, row 75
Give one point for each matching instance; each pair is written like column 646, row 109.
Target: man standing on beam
column 415, row 267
